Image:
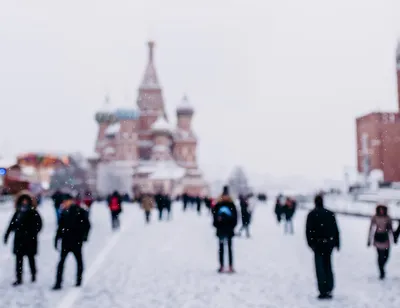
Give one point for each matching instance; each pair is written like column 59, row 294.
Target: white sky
column 276, row 83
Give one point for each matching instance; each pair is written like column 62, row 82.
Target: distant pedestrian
column 278, row 209
column 73, row 231
column 58, row 198
column 88, row 201
column 147, row 204
column 288, row 210
column 380, row 231
column 322, row 237
column 246, row 215
column 199, row 202
column 225, row 220
column 115, row 205
column 26, row 224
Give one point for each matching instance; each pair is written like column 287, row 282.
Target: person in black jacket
column 26, row 224
column 246, row 215
column 322, row 237
column 278, row 208
column 73, row 230
column 225, row 220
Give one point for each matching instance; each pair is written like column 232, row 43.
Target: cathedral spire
column 150, row 80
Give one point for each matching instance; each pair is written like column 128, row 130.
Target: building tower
column 150, row 103
column 398, row 73
column 104, row 117
column 162, row 140
column 185, row 139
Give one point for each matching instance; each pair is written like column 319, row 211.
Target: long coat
column 147, row 203
column 26, row 226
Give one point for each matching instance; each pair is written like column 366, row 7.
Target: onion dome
column 126, row 114
column 184, row 107
column 161, row 126
column 106, row 113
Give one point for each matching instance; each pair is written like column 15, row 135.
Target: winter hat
column 319, row 201
column 225, row 190
column 68, row 196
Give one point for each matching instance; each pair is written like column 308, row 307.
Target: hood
column 383, row 207
column 225, row 198
column 25, row 193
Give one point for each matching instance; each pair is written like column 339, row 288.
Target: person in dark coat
column 225, row 220
column 288, row 210
column 167, row 205
column 246, row 215
column 26, row 224
column 278, row 208
column 73, row 231
column 160, row 203
column 198, row 203
column 322, row 237
column 185, row 201
column 58, row 198
column 114, row 202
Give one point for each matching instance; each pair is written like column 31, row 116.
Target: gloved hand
column 56, row 243
column 5, row 240
column 369, row 243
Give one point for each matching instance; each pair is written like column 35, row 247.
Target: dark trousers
column 160, row 213
column 115, row 220
column 222, row 241
column 185, row 205
column 383, row 256
column 19, row 265
column 147, row 216
column 77, row 252
column 199, row 208
column 323, row 268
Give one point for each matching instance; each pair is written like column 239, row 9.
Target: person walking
column 322, row 235
column 115, row 205
column 278, row 208
column 246, row 215
column 199, row 201
column 73, row 231
column 225, row 220
column 288, row 210
column 26, row 224
column 380, row 232
column 88, row 200
column 147, row 204
column 57, row 198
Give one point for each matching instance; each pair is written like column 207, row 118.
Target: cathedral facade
column 138, row 150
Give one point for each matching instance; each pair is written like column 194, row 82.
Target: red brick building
column 378, row 140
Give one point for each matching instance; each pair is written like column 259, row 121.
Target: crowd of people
column 73, row 226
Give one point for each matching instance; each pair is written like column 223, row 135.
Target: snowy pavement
column 173, row 264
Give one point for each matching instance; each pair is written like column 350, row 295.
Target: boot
column 231, row 270
column 78, row 282
column 17, row 283
column 57, row 287
column 33, row 278
column 221, row 269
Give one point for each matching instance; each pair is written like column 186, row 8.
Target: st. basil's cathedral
column 138, row 150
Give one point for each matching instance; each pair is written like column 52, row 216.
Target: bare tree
column 238, row 182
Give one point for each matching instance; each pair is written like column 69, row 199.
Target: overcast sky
column 276, row 84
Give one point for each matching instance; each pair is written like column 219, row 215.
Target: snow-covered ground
column 173, row 264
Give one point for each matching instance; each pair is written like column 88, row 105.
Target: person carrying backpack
column 115, row 205
column 225, row 220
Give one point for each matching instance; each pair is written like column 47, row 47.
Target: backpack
column 224, row 214
column 114, row 204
